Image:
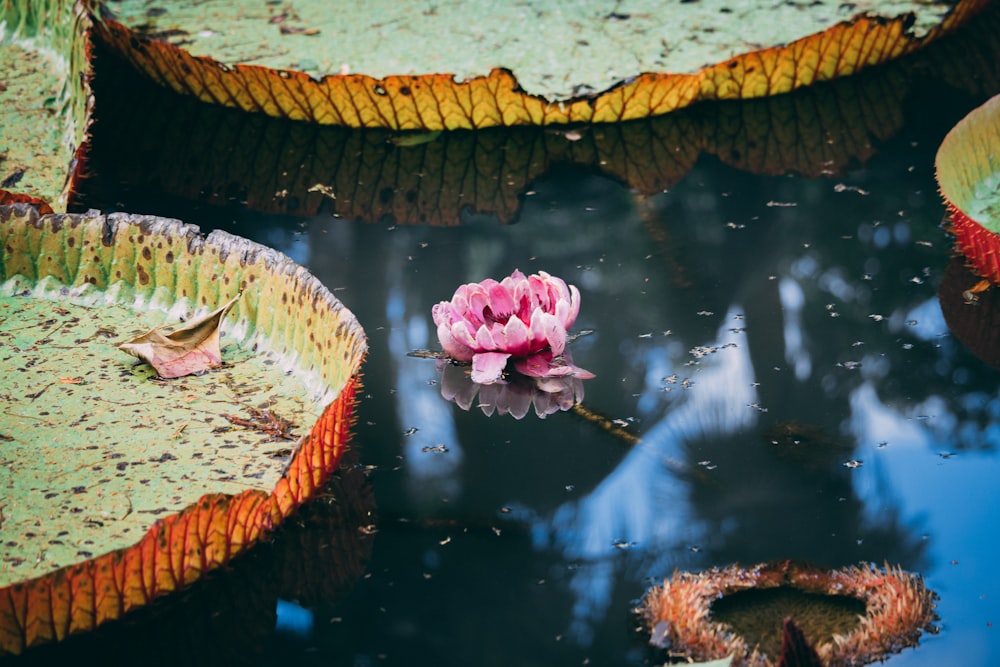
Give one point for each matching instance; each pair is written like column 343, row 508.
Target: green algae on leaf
column 985, row 202
column 45, row 97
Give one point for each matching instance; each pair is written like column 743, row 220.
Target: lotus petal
column 487, row 367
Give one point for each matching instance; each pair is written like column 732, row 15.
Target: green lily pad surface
column 985, row 203
column 94, row 448
column 32, row 158
column 44, row 95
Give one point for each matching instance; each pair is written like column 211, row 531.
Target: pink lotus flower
column 523, row 319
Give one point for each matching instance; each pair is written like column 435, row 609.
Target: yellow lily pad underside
column 479, row 64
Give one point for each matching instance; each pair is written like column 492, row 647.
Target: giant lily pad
column 221, row 156
column 118, row 487
column 45, row 48
column 968, row 172
column 478, row 64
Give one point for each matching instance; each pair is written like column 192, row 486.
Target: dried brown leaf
column 191, row 348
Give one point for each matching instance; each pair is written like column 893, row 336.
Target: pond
column 785, row 366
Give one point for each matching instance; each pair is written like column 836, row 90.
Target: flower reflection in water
column 515, row 395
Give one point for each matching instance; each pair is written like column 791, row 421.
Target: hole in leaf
column 757, row 615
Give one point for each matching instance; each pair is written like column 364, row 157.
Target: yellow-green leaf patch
column 94, row 448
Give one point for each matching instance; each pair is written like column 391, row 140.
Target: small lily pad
column 968, row 173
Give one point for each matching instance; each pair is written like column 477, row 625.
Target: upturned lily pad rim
column 968, row 154
column 966, row 162
column 181, row 547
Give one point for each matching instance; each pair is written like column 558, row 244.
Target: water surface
column 761, row 281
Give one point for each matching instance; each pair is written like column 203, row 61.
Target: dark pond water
column 777, row 377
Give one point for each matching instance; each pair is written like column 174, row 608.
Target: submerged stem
column 606, row 423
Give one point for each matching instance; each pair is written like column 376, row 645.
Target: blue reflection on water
column 294, row 619
column 872, row 375
column 947, row 497
column 792, row 300
column 430, row 477
column 641, row 505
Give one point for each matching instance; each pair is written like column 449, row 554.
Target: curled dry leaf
column 189, row 349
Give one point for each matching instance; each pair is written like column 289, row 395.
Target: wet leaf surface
column 44, row 98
